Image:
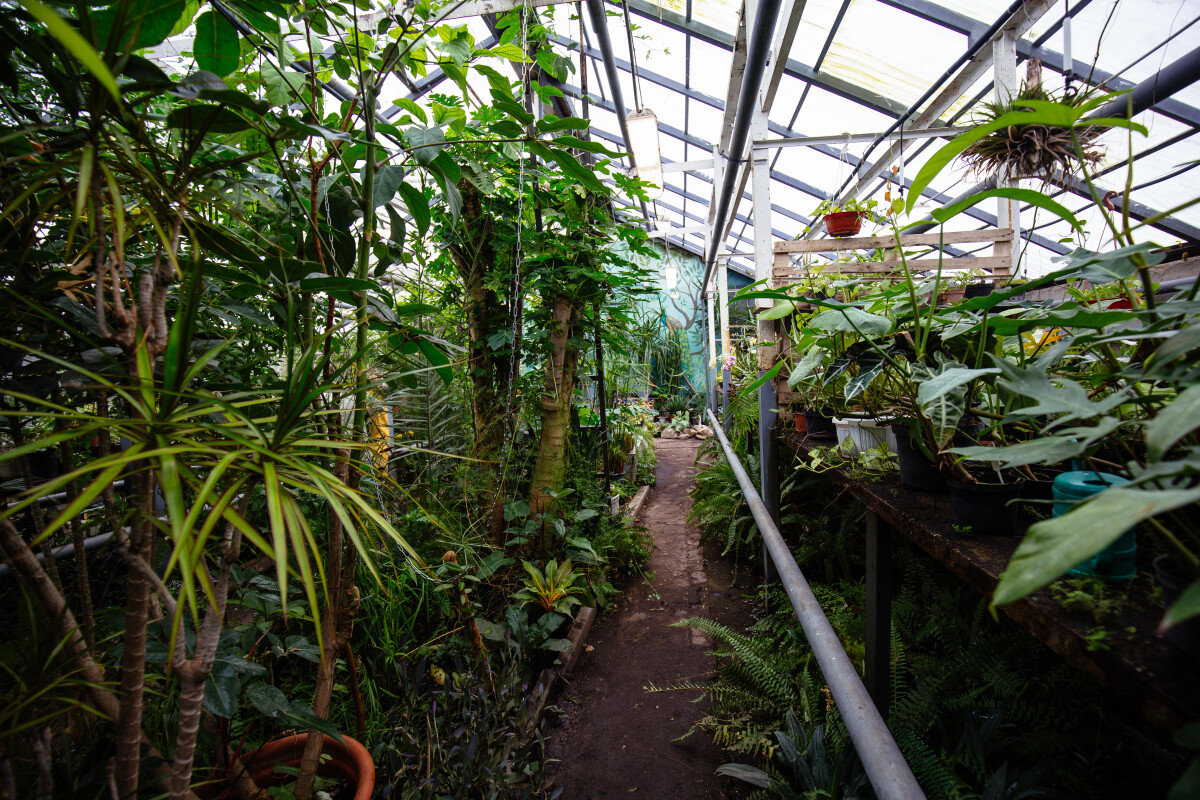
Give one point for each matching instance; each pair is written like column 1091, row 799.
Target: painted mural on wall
column 680, row 305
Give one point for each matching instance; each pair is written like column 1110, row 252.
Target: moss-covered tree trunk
column 557, row 390
column 474, row 255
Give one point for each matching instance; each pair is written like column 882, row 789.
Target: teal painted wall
column 685, row 308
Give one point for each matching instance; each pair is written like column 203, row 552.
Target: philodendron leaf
column 812, row 359
column 1173, row 423
column 782, row 308
column 952, row 378
column 1112, row 265
column 1062, row 398
column 1066, row 443
column 1053, row 546
column 946, row 406
column 870, row 367
column 852, row 320
column 1181, row 343
column 1186, row 606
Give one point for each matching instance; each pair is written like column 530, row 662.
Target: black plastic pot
column 968, row 433
column 1038, row 494
column 986, row 508
column 1172, row 577
column 980, row 290
column 916, row 471
column 819, row 427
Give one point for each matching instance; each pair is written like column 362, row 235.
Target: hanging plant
column 1036, row 150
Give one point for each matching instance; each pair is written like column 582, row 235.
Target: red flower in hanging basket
column 843, row 223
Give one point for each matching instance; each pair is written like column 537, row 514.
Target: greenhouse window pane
column 877, row 48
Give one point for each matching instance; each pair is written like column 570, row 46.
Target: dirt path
column 615, row 739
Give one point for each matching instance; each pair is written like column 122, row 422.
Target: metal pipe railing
column 886, row 768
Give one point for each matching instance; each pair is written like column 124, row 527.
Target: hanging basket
column 843, row 223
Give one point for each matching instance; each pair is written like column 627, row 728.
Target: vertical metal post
column 764, row 266
column 602, row 402
column 726, row 345
column 879, row 612
column 711, row 370
column 1004, row 67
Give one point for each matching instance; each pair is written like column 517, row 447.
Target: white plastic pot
column 865, row 433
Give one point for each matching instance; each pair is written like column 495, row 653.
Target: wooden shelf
column 1139, row 671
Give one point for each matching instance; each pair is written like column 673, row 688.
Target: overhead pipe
column 758, row 51
column 600, row 26
column 889, row 773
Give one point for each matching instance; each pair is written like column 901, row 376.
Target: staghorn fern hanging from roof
column 1034, row 150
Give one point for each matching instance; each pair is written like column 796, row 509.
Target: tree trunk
column 557, row 391
column 133, row 658
column 474, row 255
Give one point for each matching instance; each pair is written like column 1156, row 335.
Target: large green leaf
column 870, row 367
column 1177, row 420
column 953, row 376
column 216, row 46
column 812, row 359
column 1181, row 343
column 781, row 309
column 851, row 319
column 1029, row 196
column 1065, row 444
column 426, row 143
column 417, row 205
column 144, row 23
column 1053, row 546
column 945, row 408
column 211, row 119
column 1059, row 397
column 1186, row 606
column 1112, row 265
column 387, row 181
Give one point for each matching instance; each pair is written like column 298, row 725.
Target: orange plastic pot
column 349, row 762
column 843, row 223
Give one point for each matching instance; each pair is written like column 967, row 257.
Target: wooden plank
column 919, row 265
column 889, row 241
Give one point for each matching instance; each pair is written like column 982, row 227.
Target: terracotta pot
column 349, row 762
column 801, row 424
column 843, row 223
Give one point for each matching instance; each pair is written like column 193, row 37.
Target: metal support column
column 726, row 345
column 764, row 265
column 879, row 612
column 711, row 369
column 1004, row 68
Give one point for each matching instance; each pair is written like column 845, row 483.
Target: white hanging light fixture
column 642, row 127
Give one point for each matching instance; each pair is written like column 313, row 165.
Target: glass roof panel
column 874, row 49
column 814, row 28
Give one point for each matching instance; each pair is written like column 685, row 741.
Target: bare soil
column 614, row 738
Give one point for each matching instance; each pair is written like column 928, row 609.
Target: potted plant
column 844, row 218
column 1010, row 149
